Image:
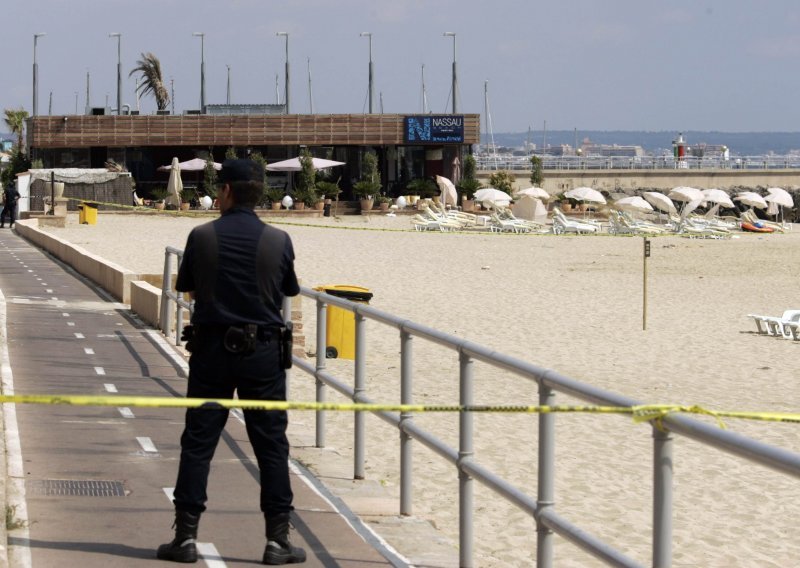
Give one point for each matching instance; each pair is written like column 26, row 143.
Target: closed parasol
column 174, row 185
column 449, row 193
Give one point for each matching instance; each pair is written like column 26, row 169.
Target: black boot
column 182, row 548
column 279, row 550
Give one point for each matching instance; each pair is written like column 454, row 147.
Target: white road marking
column 49, row 290
column 100, row 370
column 88, row 350
column 71, row 323
column 29, row 270
column 80, row 336
column 53, row 298
column 65, row 314
column 110, row 388
column 147, row 444
column 126, row 412
column 17, row 554
column 209, row 553
column 170, row 492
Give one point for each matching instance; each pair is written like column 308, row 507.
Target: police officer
column 10, row 198
column 238, row 271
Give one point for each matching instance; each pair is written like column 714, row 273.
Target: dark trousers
column 12, row 212
column 216, row 373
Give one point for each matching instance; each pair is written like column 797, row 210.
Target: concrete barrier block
column 146, row 301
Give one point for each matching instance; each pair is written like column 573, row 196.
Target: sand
column 573, row 304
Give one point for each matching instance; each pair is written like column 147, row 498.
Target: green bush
column 502, row 180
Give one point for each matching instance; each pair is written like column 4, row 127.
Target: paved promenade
column 91, row 486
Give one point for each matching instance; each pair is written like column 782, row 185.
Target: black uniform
column 9, row 206
column 240, row 269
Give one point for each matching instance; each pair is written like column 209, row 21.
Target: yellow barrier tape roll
column 641, row 413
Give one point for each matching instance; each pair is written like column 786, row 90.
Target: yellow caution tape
column 642, row 413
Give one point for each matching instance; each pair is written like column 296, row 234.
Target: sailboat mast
column 310, row 92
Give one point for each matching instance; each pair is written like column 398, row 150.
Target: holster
column 286, row 345
column 187, row 335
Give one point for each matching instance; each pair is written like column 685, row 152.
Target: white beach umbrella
column 585, row 194
column 752, row 199
column 660, row 201
column 490, row 195
column 717, row 196
column 684, row 193
column 689, row 207
column 536, row 192
column 194, row 165
column 449, row 193
column 634, row 203
column 174, row 185
column 293, row 165
column 779, row 196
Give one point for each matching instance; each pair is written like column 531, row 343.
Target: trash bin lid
column 349, row 292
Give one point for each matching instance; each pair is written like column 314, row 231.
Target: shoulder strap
column 205, row 271
column 269, row 255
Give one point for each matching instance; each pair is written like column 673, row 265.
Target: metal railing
column 541, row 507
column 508, row 162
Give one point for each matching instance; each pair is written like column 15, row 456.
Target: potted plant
column 468, row 184
column 370, row 183
column 187, row 195
column 274, row 194
column 422, row 187
column 329, row 190
column 158, row 195
column 305, row 190
column 383, row 202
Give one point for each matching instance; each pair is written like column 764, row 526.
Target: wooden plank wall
column 76, row 131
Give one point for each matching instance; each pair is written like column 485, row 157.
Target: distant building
column 589, row 148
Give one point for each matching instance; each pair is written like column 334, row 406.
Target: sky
column 681, row 65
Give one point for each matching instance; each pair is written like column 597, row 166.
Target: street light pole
column 202, row 37
column 228, row 98
column 371, row 70
column 119, row 71
column 286, row 83
column 36, row 75
column 455, row 75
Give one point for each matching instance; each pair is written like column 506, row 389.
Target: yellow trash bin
column 340, row 332
column 87, row 213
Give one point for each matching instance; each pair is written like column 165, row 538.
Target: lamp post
column 119, row 70
column 202, row 37
column 36, row 75
column 228, row 98
column 371, row 74
column 286, row 83
column 455, row 75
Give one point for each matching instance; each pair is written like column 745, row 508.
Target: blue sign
column 434, row 129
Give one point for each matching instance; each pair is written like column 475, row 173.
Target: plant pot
column 366, row 204
column 185, row 206
column 160, row 205
column 276, row 205
column 566, row 207
column 299, row 205
column 384, row 206
column 467, row 205
column 319, row 205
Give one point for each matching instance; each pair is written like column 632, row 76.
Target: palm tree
column 15, row 119
column 152, row 80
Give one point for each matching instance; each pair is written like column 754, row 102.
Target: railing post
column 465, row 453
column 166, row 284
column 178, row 320
column 322, row 340
column 662, row 498
column 546, row 486
column 359, row 378
column 406, row 376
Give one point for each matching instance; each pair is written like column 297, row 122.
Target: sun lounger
column 786, row 325
column 562, row 224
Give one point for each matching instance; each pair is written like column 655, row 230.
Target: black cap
column 240, row 170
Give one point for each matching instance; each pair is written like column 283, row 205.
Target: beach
column 572, row 304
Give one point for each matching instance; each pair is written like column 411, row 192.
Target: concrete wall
column 628, row 181
column 113, row 278
column 146, row 302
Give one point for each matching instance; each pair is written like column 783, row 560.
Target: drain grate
column 72, row 487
